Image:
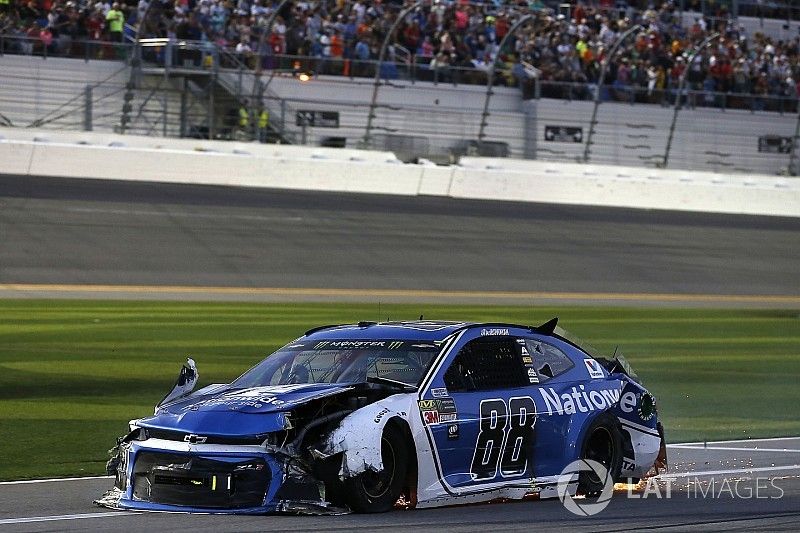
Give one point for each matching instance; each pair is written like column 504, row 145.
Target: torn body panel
column 358, row 435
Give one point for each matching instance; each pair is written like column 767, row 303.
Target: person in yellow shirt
column 263, row 124
column 115, row 21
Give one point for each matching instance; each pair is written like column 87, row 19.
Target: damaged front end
column 224, row 449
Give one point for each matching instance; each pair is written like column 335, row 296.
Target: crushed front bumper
column 157, row 475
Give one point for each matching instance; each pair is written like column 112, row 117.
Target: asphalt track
column 732, row 485
column 94, row 238
column 62, row 237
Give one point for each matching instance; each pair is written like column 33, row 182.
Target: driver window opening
column 484, row 364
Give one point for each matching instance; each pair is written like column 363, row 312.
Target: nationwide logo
column 578, row 399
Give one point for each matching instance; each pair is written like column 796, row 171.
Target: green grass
column 72, row 373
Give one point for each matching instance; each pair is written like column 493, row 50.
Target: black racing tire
column 377, row 492
column 602, row 443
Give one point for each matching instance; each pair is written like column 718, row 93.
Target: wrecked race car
column 358, row 417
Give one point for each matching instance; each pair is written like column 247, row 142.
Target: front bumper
column 159, row 475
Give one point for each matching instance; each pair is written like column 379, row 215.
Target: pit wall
column 108, row 156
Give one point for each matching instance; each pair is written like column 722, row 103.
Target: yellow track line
column 407, row 293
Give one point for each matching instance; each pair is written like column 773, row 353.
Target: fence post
column 283, row 116
column 87, row 108
column 183, row 117
column 681, row 83
column 793, row 156
column 599, row 88
column 377, row 83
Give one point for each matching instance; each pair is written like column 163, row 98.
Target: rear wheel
column 603, row 444
column 377, row 492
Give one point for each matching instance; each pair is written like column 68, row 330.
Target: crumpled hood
column 228, row 411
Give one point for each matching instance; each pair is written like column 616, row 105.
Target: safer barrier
column 108, row 156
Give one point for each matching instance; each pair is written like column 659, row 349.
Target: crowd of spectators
column 562, row 49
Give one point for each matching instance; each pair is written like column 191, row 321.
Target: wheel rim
column 601, row 449
column 377, row 484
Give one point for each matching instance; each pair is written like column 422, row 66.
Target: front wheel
column 603, row 444
column 377, row 492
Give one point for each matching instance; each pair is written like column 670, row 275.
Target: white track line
column 730, row 448
column 61, row 517
column 730, row 471
column 52, row 480
column 771, row 439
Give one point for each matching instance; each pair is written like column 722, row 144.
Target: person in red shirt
column 501, row 26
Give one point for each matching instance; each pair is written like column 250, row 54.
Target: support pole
column 603, row 69
column 490, row 80
column 681, row 83
column 377, row 83
column 87, row 108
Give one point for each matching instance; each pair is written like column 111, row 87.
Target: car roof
column 430, row 330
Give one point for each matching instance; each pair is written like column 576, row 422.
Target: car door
column 480, row 413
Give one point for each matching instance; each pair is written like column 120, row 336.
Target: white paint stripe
column 770, row 439
column 730, row 448
column 171, row 214
column 722, row 472
column 52, row 480
column 59, row 518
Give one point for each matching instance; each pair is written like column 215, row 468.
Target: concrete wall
column 109, row 156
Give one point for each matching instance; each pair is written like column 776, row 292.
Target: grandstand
column 207, row 70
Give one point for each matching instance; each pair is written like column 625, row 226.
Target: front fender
column 358, row 435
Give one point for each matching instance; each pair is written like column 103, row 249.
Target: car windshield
column 342, row 361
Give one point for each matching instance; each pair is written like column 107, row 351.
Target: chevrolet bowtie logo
column 195, row 439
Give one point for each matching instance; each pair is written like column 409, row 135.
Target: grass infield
column 72, row 373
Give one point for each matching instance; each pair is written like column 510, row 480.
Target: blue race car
column 367, row 415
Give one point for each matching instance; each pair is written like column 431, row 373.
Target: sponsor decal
column 525, row 351
column 527, row 359
column 647, row 407
column 427, row 404
column 439, row 393
column 255, row 397
column 430, row 417
column 439, row 410
column 394, row 345
column 594, row 368
column 452, row 431
column 446, row 405
column 532, row 377
column 494, row 331
column 328, row 345
column 521, row 342
column 579, row 400
column 381, row 414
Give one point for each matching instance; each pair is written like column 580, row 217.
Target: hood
column 225, row 411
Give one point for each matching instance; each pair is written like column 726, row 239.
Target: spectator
column 115, row 21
